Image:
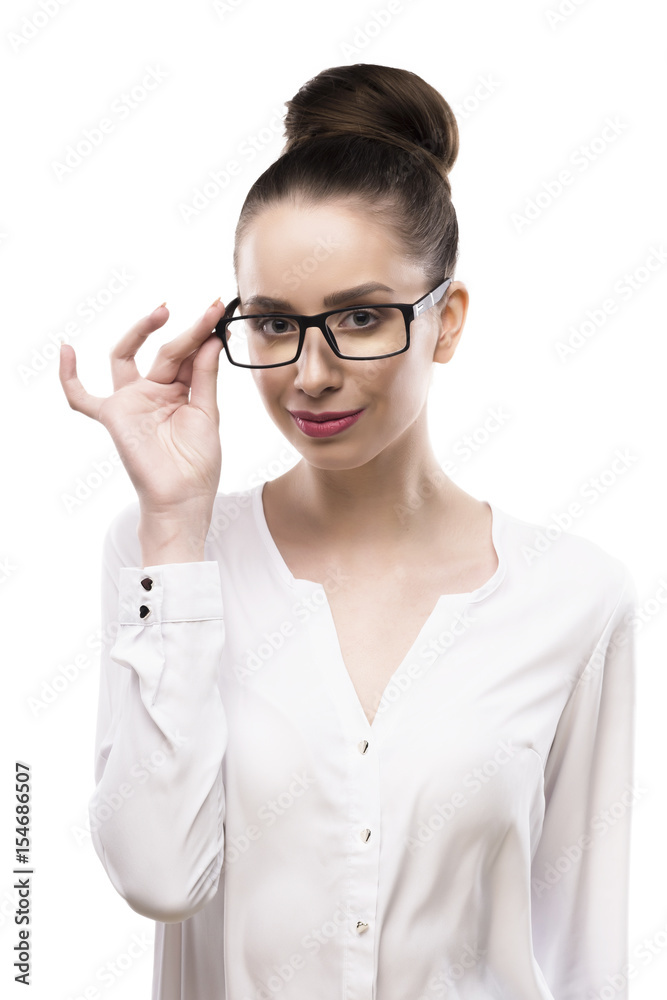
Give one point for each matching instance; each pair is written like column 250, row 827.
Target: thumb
column 203, row 387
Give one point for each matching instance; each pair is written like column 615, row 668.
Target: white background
column 531, row 90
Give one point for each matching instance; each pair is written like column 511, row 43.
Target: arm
column 158, row 808
column 580, row 870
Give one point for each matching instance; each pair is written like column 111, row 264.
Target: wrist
column 173, row 540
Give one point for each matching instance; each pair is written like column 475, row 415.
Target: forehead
column 302, row 251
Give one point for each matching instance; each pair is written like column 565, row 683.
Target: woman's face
column 300, row 254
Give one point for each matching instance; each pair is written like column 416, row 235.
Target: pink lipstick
column 326, row 423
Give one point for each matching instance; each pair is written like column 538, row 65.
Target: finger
column 171, row 355
column 203, row 393
column 77, row 397
column 184, row 373
column 123, row 365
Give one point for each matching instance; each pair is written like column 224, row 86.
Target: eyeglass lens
column 362, row 332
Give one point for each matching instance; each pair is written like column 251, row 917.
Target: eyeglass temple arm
column 432, row 297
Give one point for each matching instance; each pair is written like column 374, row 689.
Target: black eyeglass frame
column 410, row 312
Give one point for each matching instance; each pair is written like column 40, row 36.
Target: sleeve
column 158, row 808
column 580, row 869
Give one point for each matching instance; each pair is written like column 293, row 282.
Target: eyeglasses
column 357, row 333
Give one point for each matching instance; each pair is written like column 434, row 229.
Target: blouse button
column 144, row 611
column 147, row 583
column 365, row 834
column 363, row 746
column 361, row 927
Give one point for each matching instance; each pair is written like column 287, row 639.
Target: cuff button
column 144, row 611
column 147, row 583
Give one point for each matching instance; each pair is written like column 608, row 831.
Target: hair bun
column 382, row 138
column 378, row 102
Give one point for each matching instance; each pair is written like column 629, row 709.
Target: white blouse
column 471, row 843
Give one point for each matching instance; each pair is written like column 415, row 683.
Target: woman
column 360, row 733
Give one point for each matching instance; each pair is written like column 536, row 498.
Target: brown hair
column 381, row 135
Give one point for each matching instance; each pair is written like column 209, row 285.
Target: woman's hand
column 170, row 446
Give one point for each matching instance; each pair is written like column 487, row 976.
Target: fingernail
column 215, row 303
column 160, row 306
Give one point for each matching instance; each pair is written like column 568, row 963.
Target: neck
column 377, row 499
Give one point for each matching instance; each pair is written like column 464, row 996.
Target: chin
column 330, row 455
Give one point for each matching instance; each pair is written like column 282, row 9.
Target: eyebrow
column 334, row 299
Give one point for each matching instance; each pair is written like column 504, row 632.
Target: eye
column 359, row 318
column 272, row 326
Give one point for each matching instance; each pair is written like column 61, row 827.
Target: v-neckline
column 299, row 584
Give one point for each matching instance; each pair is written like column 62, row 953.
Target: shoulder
column 557, row 564
column 234, row 508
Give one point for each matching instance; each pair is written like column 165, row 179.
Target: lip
column 324, row 415
column 326, row 423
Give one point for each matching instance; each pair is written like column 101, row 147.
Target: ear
column 451, row 320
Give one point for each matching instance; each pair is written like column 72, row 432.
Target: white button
column 361, row 927
column 363, row 746
column 365, row 834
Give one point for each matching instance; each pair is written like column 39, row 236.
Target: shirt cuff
column 170, row 592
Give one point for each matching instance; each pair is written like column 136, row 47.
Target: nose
column 317, row 367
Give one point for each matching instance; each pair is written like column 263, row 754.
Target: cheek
column 407, row 379
column 375, row 378
column 408, row 391
column 267, row 382
column 396, row 388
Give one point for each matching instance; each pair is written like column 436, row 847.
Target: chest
column 376, row 629
column 378, row 622
column 379, row 612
